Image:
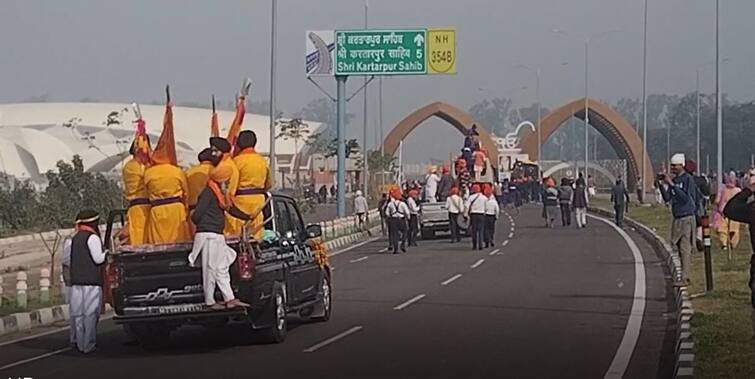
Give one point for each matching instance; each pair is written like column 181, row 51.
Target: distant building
column 35, row 136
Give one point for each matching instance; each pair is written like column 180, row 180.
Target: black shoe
column 395, row 252
column 403, row 249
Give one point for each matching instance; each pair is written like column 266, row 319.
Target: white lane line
column 335, row 338
column 450, row 280
column 512, row 229
column 353, row 247
column 511, row 235
column 409, row 302
column 632, row 332
column 513, row 224
column 383, row 250
column 494, row 252
column 505, row 243
column 358, row 260
column 32, row 359
column 479, row 262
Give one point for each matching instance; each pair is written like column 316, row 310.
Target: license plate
column 165, row 309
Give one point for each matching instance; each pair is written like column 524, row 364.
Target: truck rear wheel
column 326, row 304
column 277, row 332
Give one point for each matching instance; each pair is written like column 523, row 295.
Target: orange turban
column 487, row 190
column 475, row 188
column 454, row 190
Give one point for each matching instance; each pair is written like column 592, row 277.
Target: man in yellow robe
column 198, row 176
column 167, row 188
column 255, row 179
column 136, row 194
column 226, row 162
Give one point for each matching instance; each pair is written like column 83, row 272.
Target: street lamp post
column 697, row 121
column 719, row 120
column 644, row 97
column 272, row 85
column 365, row 160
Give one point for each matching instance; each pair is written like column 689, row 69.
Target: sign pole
column 341, row 131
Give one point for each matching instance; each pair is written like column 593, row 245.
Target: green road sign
column 381, row 52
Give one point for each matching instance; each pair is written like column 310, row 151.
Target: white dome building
column 35, row 136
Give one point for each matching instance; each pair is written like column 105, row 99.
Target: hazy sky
column 127, row 50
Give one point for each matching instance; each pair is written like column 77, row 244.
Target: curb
column 349, row 239
column 684, row 349
column 22, row 321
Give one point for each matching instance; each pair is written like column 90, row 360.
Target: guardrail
column 684, row 344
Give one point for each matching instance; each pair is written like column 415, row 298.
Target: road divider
column 409, row 302
column 333, row 339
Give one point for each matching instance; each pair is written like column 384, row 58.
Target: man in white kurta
column 431, row 185
column 86, row 256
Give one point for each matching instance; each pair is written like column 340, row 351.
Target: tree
column 296, row 130
column 18, row 204
column 377, row 161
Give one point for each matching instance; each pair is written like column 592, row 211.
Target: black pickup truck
column 153, row 290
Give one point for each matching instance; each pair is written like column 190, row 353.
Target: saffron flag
column 165, row 151
column 140, row 147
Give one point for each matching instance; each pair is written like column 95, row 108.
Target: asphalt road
column 544, row 303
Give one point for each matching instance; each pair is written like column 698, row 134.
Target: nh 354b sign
column 381, row 52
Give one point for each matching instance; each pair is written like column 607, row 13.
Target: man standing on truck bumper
column 217, row 256
column 85, row 254
column 255, row 179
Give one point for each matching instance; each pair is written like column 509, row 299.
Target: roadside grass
column 723, row 321
column 9, row 305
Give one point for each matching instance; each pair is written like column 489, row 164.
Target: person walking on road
column 492, row 208
column 397, row 214
column 360, row 209
column 741, row 208
column 455, row 206
column 86, row 256
column 681, row 191
column 565, row 193
column 381, row 210
column 620, row 200
column 638, row 190
column 580, row 200
column 726, row 229
column 475, row 208
column 550, row 202
column 412, row 203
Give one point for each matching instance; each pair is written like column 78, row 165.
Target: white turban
column 678, row 159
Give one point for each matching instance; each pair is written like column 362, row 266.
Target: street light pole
column 719, row 119
column 587, row 110
column 697, row 100
column 539, row 136
column 272, row 85
column 645, row 99
column 382, row 133
column 365, row 160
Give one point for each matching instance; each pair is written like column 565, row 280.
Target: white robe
column 217, row 258
column 85, row 314
column 431, row 187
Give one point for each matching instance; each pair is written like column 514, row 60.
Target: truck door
column 304, row 271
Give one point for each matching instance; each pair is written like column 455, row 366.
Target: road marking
column 335, row 338
column 479, row 262
column 512, row 229
column 494, row 252
column 632, row 332
column 383, row 250
column 513, row 224
column 409, row 302
column 32, row 359
column 505, row 243
column 511, row 235
column 358, row 260
column 353, row 246
column 450, row 280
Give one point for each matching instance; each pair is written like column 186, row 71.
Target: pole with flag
column 214, row 128
column 238, row 119
column 165, row 151
column 140, row 147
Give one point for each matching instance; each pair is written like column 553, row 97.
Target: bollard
column 706, row 251
column 44, row 285
column 1, row 290
column 21, row 287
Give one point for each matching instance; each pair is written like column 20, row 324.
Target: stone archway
column 460, row 120
column 609, row 123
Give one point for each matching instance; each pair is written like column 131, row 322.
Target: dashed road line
column 479, row 262
column 505, row 243
column 450, row 280
column 358, row 260
column 333, row 339
column 38, row 357
column 511, row 235
column 353, row 246
column 409, row 302
column 383, row 250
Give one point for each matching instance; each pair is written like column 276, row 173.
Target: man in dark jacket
column 681, row 190
column 217, row 256
column 579, row 202
column 741, row 208
column 565, row 193
column 620, row 199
